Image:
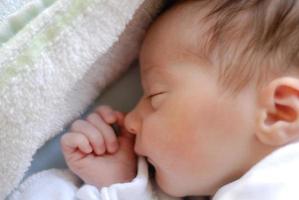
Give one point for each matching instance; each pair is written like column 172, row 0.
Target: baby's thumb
column 126, row 139
column 125, row 134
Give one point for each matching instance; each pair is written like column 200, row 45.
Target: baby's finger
column 107, row 114
column 106, row 130
column 71, row 142
column 120, row 117
column 121, row 122
column 93, row 135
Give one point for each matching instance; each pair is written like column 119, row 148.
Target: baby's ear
column 278, row 116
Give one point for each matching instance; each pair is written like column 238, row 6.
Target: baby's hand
column 93, row 151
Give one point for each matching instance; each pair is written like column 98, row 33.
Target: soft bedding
column 122, row 94
column 54, row 65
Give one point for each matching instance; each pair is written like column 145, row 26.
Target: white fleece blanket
column 54, row 62
column 64, row 185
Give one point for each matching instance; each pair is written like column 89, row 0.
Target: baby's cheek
column 168, row 133
column 169, row 136
column 156, row 135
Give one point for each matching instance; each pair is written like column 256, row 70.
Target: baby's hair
column 249, row 39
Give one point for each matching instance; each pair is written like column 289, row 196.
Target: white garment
column 276, row 177
column 64, row 185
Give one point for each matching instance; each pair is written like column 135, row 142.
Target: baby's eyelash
column 155, row 94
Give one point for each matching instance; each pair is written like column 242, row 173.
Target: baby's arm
column 96, row 155
column 93, row 151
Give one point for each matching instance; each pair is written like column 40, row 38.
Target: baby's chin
column 168, row 187
column 173, row 188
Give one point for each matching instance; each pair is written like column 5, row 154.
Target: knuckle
column 76, row 124
column 80, row 125
column 112, row 142
column 101, row 143
column 66, row 137
column 93, row 117
column 102, row 107
column 82, row 138
column 90, row 117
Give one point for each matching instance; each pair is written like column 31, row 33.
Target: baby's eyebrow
column 146, row 79
column 153, row 73
column 148, row 69
column 149, row 74
column 156, row 77
column 155, row 70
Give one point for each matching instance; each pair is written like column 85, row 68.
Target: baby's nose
column 132, row 123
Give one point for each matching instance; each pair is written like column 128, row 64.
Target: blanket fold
column 56, row 65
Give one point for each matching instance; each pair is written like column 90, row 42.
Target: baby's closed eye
column 156, row 98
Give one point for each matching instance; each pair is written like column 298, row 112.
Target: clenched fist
column 94, row 152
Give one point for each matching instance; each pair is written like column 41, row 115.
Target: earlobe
column 278, row 115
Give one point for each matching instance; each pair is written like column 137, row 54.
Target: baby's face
column 196, row 136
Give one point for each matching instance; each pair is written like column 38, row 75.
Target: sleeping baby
column 219, row 115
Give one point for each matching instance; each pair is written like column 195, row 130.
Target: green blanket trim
column 18, row 20
column 40, row 41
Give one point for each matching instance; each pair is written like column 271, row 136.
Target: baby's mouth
column 149, row 161
column 151, row 170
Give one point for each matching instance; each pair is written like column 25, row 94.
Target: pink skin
column 197, row 137
column 93, row 152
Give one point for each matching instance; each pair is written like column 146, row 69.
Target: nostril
column 131, row 130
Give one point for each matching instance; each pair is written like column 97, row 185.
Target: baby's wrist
column 100, row 185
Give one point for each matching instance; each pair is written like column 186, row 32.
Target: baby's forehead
column 181, row 31
column 175, row 33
